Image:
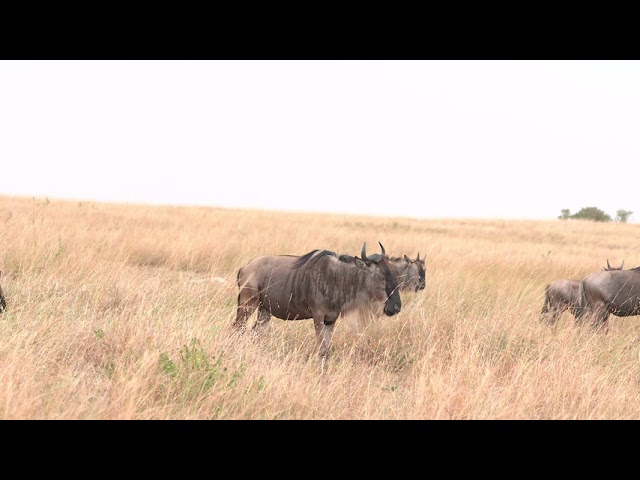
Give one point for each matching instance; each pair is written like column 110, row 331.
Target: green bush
column 587, row 213
column 623, row 215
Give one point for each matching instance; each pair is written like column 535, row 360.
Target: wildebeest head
column 410, row 273
column 3, row 303
column 381, row 275
column 419, row 265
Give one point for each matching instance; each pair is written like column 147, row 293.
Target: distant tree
column 592, row 213
column 566, row 213
column 623, row 215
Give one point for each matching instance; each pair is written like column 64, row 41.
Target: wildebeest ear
column 407, row 259
column 360, row 263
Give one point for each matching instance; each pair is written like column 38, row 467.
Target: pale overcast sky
column 487, row 139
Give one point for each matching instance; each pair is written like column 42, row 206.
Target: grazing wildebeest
column 610, row 292
column 318, row 285
column 3, row 303
column 410, row 273
column 561, row 295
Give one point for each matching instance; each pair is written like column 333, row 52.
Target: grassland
column 124, row 312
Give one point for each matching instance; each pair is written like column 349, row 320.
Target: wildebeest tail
column 547, row 300
column 238, row 281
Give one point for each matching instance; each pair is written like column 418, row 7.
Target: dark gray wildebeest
column 614, row 292
column 3, row 303
column 562, row 295
column 318, row 285
column 410, row 273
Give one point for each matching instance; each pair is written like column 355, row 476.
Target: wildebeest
column 610, row 292
column 3, row 303
column 561, row 295
column 410, row 273
column 318, row 285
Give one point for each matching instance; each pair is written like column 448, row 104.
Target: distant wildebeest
column 562, row 295
column 3, row 303
column 318, row 285
column 410, row 273
column 614, row 292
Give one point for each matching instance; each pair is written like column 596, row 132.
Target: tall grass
column 124, row 312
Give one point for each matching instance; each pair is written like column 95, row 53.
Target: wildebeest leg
column 580, row 313
column 263, row 319
column 600, row 320
column 248, row 300
column 324, row 331
column 589, row 315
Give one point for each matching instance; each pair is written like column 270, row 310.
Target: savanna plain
column 119, row 311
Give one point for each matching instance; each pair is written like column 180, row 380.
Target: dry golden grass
column 118, row 312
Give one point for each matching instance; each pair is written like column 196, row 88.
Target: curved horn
column 418, row 257
column 363, row 254
column 608, row 266
column 383, row 254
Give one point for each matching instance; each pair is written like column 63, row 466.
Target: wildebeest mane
column 346, row 258
column 307, row 256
